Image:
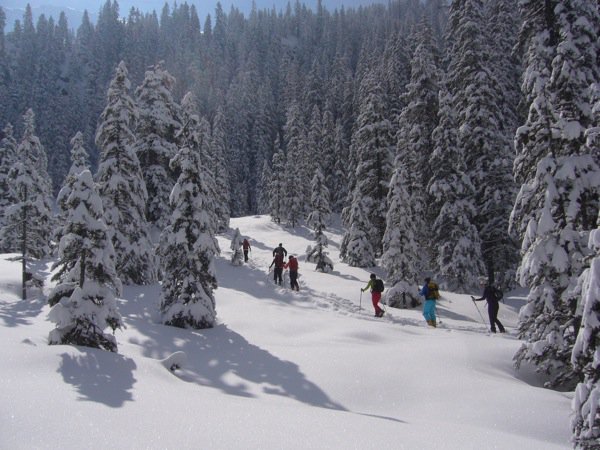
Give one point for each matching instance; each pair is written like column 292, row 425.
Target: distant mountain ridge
column 74, row 9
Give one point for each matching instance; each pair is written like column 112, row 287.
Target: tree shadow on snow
column 99, row 376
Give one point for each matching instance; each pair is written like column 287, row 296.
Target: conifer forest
column 454, row 138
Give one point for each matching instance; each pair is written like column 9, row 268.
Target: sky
column 281, row 369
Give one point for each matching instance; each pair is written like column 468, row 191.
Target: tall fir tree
column 318, row 220
column 187, row 249
column 8, row 158
column 83, row 303
column 559, row 202
column 372, row 142
column 79, row 163
column 28, row 222
column 155, row 145
column 121, row 185
column 277, row 184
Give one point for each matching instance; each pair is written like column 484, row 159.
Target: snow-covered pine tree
column 277, row 184
column 263, row 189
column 414, row 146
column 237, row 257
column 317, row 220
column 8, row 158
column 195, row 134
column 485, row 146
column 341, row 171
column 457, row 250
column 585, row 422
column 372, row 143
column 401, row 253
column 356, row 249
column 121, row 185
column 28, row 222
column 187, row 249
column 220, row 172
column 155, row 145
column 83, row 302
column 79, row 163
column 557, row 206
column 296, row 200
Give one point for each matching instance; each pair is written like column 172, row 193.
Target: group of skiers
column 430, row 289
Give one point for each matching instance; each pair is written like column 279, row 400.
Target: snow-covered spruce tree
column 220, row 172
column 585, row 422
column 237, row 257
column 187, row 249
column 402, row 257
column 485, row 146
column 296, row 199
column 457, row 252
column 195, row 134
column 28, row 222
column 558, row 204
column 155, row 145
column 277, row 184
column 356, row 249
column 8, row 158
column 83, row 302
column 263, row 189
column 414, row 146
column 339, row 176
column 121, row 185
column 372, row 143
column 79, row 163
column 317, row 220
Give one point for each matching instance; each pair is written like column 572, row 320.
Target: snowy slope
column 283, row 369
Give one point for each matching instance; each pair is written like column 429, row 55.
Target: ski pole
column 360, row 301
column 480, row 315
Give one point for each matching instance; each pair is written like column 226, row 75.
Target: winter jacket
column 488, row 294
column 246, row 244
column 428, row 290
column 280, row 251
column 292, row 264
column 278, row 261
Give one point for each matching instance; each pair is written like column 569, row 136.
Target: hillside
column 283, row 369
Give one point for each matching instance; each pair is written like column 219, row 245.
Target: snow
column 281, row 370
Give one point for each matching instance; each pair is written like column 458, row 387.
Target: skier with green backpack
column 376, row 286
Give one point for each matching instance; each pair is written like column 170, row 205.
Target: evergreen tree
column 8, row 158
column 585, row 422
column 356, row 249
column 317, row 220
column 157, row 127
column 372, row 143
column 222, row 185
column 83, row 302
column 401, row 255
column 187, row 249
column 414, row 144
column 558, row 203
column 78, row 164
column 121, row 185
column 28, row 221
column 277, row 184
column 457, row 253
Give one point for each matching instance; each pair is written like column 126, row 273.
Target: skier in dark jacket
column 278, row 272
column 280, row 250
column 246, row 247
column 489, row 294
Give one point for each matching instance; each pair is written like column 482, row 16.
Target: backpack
column 378, row 285
column 497, row 294
column 432, row 291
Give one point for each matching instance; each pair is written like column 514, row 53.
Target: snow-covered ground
column 281, row 370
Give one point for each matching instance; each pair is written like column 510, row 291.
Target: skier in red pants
column 376, row 287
